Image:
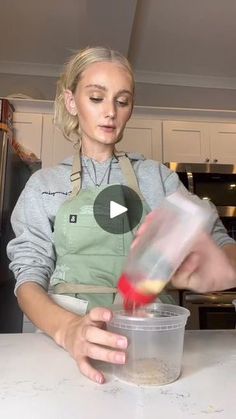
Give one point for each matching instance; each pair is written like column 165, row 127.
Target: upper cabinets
column 199, row 142
column 223, row 143
column 140, row 135
column 143, row 136
column 38, row 134
column 156, row 137
column 185, row 142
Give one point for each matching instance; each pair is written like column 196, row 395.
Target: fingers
column 99, row 336
column 100, row 314
column 97, row 344
column 188, row 281
column 206, row 269
column 98, row 352
column 90, row 372
column 103, row 354
column 89, row 341
column 184, row 277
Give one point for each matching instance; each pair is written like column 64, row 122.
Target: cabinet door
column 223, row 143
column 28, row 131
column 143, row 136
column 55, row 147
column 186, row 142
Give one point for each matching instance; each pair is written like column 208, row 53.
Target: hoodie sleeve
column 32, row 252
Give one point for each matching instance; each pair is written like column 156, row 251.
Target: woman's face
column 103, row 101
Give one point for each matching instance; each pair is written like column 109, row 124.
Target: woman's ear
column 70, row 102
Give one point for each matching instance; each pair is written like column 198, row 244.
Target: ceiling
column 168, row 42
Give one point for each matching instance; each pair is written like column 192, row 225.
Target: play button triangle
column 116, row 209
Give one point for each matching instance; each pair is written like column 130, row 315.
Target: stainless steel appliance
column 210, row 311
column 217, row 183
column 14, row 173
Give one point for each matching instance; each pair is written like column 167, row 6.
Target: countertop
column 39, row 380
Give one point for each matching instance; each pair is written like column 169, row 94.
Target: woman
column 57, row 239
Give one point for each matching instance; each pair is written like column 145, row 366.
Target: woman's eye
column 96, row 99
column 122, row 102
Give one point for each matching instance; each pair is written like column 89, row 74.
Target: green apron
column 89, row 259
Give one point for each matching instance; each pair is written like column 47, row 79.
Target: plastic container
column 234, row 303
column 166, row 240
column 155, row 335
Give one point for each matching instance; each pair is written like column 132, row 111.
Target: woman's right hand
column 85, row 338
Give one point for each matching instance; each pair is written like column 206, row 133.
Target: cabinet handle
column 215, row 160
column 207, row 160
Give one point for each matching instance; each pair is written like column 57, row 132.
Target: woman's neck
column 99, row 154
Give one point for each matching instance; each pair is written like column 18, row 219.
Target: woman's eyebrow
column 100, row 87
column 96, row 86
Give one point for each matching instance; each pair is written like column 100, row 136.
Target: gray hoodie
column 32, row 252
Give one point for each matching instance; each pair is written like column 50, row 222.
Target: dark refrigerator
column 14, row 173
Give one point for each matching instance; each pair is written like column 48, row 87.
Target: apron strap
column 70, row 288
column 125, row 165
column 76, row 175
column 128, row 171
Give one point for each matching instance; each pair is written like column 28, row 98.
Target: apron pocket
column 87, row 238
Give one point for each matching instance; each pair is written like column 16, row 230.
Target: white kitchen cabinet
column 199, row 142
column 141, row 135
column 28, row 131
column 185, row 141
column 223, row 143
column 55, row 147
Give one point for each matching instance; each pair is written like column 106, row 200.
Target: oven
column 210, row 311
column 216, row 183
column 213, row 182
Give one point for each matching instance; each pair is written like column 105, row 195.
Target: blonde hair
column 69, row 124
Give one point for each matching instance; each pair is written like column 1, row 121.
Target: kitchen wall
column 185, row 97
column 38, row 87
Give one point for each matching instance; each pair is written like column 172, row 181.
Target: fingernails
column 106, row 316
column 99, row 379
column 122, row 343
column 120, row 358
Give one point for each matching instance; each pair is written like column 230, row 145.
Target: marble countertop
column 39, row 380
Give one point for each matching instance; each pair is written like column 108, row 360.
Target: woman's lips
column 107, row 128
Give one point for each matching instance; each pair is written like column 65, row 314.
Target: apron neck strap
column 125, row 165
column 76, row 175
column 128, row 171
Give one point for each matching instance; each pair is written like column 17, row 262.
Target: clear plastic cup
column 155, row 335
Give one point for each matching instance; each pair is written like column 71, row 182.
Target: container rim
column 159, row 316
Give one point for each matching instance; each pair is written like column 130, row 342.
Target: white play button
column 116, row 209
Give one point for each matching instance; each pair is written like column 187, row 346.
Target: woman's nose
column 110, row 110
